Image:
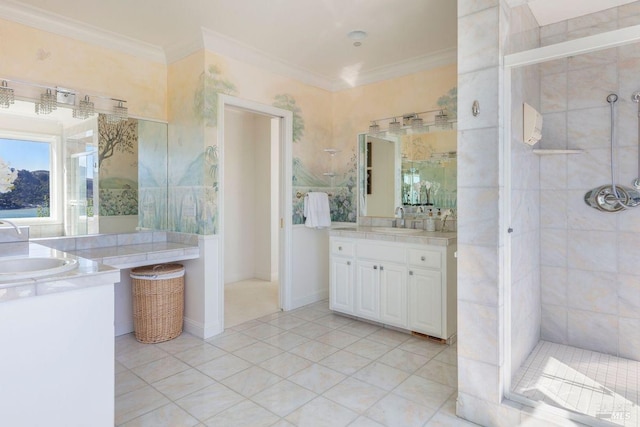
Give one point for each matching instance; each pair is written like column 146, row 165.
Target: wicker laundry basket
column 158, row 302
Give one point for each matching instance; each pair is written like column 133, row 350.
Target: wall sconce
column 6, row 95
column 395, row 126
column 119, row 114
column 85, row 109
column 416, row 122
column 374, row 127
column 48, row 103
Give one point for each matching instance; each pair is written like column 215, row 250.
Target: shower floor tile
column 598, row 385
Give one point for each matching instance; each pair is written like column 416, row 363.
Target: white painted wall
column 58, row 359
column 247, row 197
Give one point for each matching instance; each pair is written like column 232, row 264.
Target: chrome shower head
column 612, row 97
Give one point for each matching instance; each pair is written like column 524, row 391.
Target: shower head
column 612, row 97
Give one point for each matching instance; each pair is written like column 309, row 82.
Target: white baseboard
column 201, row 331
column 309, row 299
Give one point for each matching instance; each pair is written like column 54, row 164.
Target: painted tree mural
column 287, row 102
column 205, row 101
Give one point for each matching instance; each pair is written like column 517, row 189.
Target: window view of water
column 19, row 213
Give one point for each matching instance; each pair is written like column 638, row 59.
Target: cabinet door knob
column 339, row 248
column 381, row 268
column 422, row 258
column 375, row 267
column 348, row 262
column 410, row 273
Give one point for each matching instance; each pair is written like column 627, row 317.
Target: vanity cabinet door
column 393, row 294
column 342, row 270
column 425, row 302
column 367, row 295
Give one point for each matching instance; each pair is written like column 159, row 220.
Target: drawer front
column 341, row 247
column 381, row 252
column 425, row 258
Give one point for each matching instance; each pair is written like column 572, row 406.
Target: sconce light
column 6, row 95
column 85, row 109
column 48, row 103
column 417, row 123
column 374, row 127
column 395, row 126
column 442, row 120
column 120, row 113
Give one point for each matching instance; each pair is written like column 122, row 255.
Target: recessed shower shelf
column 544, row 152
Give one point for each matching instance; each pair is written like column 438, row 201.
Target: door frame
column 285, row 167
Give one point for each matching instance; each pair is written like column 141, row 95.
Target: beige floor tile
column 283, row 398
column 232, row 342
column 127, row 342
column 140, row 356
column 127, row 381
column 182, row 342
column 308, row 314
column 313, row 350
column 170, row 415
column 381, row 375
column 251, row 381
column 209, row 401
column 439, row 372
column 246, row 325
column 338, row 338
column 389, row 337
column 244, row 414
column 182, row 384
column 442, row 420
column 322, row 412
column 448, row 356
column 286, row 340
column 263, row 331
column 361, row 329
column 365, row 422
column 404, row 360
column 223, row 367
column 137, row 402
column 311, row 330
column 159, row 369
column 286, row 364
column 334, row 321
column 249, row 299
column 424, row 392
column 202, row 353
column 345, row 362
column 258, row 352
column 355, row 394
column 317, row 378
column 396, row 411
column 423, row 347
column 369, row 349
column 287, row 322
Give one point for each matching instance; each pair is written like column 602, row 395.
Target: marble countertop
column 437, row 238
column 137, row 255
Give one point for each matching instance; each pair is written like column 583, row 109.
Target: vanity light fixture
column 85, row 109
column 416, row 122
column 374, row 127
column 6, row 95
column 119, row 114
column 48, row 103
column 395, row 126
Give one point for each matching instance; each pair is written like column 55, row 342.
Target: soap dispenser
column 431, row 223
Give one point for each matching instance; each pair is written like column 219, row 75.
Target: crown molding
column 399, row 69
column 46, row 21
column 226, row 46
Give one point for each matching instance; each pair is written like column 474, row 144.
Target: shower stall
column 574, row 291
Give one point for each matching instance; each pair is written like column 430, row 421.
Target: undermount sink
column 394, row 230
column 16, row 268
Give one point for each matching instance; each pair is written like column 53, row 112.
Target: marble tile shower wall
column 590, row 283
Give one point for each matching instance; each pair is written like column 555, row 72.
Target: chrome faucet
column 15, row 227
column 400, row 216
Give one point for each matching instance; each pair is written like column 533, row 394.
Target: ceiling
column 306, row 39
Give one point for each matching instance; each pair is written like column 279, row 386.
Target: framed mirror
column 407, row 168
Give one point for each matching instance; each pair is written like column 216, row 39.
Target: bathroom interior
column 572, row 294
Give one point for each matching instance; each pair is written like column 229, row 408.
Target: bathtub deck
column 599, row 385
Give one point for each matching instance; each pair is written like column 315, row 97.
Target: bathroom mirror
column 106, row 177
column 410, row 168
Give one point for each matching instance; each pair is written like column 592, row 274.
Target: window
column 31, row 197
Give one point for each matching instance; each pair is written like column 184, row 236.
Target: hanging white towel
column 316, row 210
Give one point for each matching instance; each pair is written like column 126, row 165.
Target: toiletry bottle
column 431, row 223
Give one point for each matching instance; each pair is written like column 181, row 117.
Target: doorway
column 255, row 215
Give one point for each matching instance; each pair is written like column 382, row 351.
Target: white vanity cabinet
column 410, row 286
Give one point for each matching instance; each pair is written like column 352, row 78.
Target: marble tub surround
column 8, row 234
column 67, row 281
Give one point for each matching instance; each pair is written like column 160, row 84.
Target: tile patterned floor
column 307, row 367
column 599, row 385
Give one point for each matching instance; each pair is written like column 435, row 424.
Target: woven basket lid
column 157, row 270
